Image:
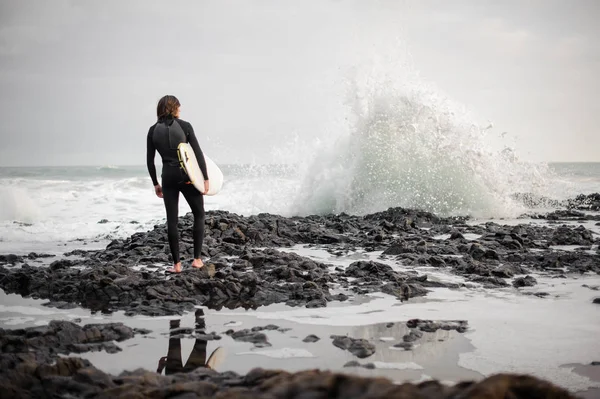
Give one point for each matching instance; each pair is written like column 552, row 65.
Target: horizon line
column 107, row 165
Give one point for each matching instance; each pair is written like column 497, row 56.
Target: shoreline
column 337, row 274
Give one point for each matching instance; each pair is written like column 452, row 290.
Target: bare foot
column 197, row 263
column 175, row 269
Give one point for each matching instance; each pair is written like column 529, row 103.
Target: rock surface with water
column 245, row 270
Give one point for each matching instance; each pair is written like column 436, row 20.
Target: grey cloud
column 79, row 79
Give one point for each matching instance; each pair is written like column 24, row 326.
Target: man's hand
column 158, row 191
column 206, row 186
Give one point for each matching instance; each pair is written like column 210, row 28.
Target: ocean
column 58, row 209
column 54, row 209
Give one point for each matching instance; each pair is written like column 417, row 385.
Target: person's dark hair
column 167, row 106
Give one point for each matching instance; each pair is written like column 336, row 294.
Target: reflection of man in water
column 173, row 361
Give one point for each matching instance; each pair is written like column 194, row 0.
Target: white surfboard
column 216, row 358
column 188, row 161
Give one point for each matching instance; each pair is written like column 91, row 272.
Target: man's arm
column 150, row 152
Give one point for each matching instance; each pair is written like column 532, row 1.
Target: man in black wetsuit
column 165, row 136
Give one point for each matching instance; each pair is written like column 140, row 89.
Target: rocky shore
column 248, row 268
column 32, row 367
column 245, row 270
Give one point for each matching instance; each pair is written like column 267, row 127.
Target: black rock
column 11, row 259
column 432, row 326
column 526, row 281
column 311, row 338
column 360, row 348
column 412, row 336
column 258, row 339
column 404, row 345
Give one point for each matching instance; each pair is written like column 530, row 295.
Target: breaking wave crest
column 408, row 146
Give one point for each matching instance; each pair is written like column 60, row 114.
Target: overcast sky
column 79, row 80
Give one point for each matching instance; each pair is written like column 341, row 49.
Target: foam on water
column 44, row 210
column 398, row 366
column 15, row 204
column 282, row 353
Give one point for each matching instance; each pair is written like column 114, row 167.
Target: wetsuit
column 197, row 358
column 164, row 136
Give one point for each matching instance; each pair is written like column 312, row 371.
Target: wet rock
column 340, row 297
column 526, row 281
column 11, row 259
column 35, row 255
column 596, row 300
column 456, row 235
column 538, row 294
column 585, row 202
column 71, row 377
column 412, row 336
column 245, row 271
column 595, row 364
column 404, row 291
column 405, row 345
column 371, row 269
column 479, row 252
column 63, row 337
column 317, row 303
column 360, row 348
column 565, row 235
column 399, row 247
column 489, row 282
column 311, row 338
column 257, row 338
column 432, row 326
column 508, row 270
column 60, row 305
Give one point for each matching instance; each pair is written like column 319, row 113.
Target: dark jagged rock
column 61, row 264
column 538, row 294
column 526, row 281
column 565, row 235
column 28, row 369
column 11, row 259
column 354, row 363
column 596, row 300
column 311, row 338
column 508, row 271
column 360, row 348
column 432, row 326
column 71, row 377
column 412, row 336
column 585, row 202
column 479, row 252
column 253, row 335
column 405, row 345
column 244, row 271
column 64, row 337
column 489, row 282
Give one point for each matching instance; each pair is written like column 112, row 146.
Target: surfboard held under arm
column 189, row 163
